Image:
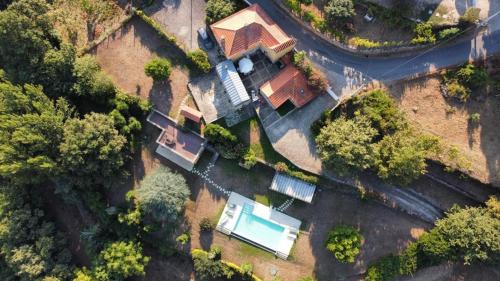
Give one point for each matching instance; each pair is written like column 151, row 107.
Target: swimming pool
column 257, row 229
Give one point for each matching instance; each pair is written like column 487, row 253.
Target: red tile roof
column 247, row 29
column 289, row 84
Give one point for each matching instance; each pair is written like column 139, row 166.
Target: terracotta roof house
column 289, row 84
column 248, row 30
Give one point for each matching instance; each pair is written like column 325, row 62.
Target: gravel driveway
column 181, row 17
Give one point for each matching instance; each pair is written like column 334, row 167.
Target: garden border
column 375, row 52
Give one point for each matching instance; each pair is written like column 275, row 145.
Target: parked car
column 207, row 42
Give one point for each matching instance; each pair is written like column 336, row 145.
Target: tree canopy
column 219, row 9
column 346, row 143
column 338, row 12
column 162, row 194
column 91, row 149
column 31, row 128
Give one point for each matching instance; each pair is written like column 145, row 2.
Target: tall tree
column 31, row 128
column 346, row 143
column 26, row 34
column 163, row 194
column 401, row 157
column 91, row 151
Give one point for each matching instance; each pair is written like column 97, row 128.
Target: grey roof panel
column 293, row 187
column 232, row 82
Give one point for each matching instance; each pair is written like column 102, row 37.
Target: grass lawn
column 247, row 250
column 270, row 198
column 251, row 133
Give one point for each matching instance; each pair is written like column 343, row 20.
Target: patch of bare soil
column 124, row 54
column 427, row 109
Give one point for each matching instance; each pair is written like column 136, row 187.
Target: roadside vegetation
column 468, row 235
column 367, row 25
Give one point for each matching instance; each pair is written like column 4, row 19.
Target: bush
column 456, row 90
column 475, row 117
column 309, row 16
column 408, row 259
column 219, row 9
column 199, row 59
column 386, row 269
column 224, row 141
column 381, row 110
column 344, row 242
column 283, row 168
column 470, row 16
column 448, row 33
column 423, row 34
column 206, row 224
column 183, row 238
column 294, row 5
column 158, row 69
column 317, row 81
column 337, row 12
column 307, row 278
column 249, row 158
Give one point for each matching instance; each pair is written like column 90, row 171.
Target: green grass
column 259, row 143
column 250, row 250
column 270, row 198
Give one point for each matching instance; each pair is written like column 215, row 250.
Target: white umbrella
column 245, row 65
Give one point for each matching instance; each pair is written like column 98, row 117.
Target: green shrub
column 183, row 238
column 206, row 224
column 199, row 60
column 448, row 33
column 306, row 2
column 381, row 110
column 283, row 168
column 408, row 259
column 294, row 5
column 470, row 16
column 224, row 141
column 309, row 16
column 344, row 242
column 316, row 80
column 369, row 44
column 386, row 269
column 456, row 90
column 158, row 69
column 307, row 278
column 339, row 11
column 249, row 158
column 475, row 117
column 219, row 9
column 423, row 34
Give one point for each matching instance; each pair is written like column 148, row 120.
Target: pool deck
column 232, row 211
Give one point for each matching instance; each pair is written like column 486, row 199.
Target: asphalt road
column 336, row 60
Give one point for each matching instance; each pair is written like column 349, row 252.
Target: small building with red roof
column 289, row 84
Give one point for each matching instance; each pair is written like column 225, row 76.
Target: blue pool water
column 257, row 229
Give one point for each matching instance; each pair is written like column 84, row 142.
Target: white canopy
column 245, row 65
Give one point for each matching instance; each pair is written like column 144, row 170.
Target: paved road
column 383, row 68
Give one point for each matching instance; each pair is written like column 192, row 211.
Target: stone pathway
column 205, row 175
column 285, row 205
